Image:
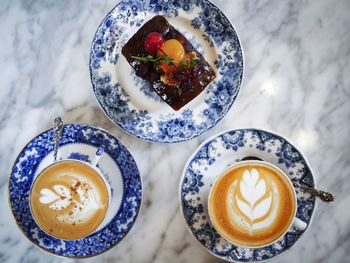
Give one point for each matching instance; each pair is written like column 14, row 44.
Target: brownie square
column 176, row 89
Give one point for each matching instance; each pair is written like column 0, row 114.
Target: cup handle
column 98, row 155
column 299, row 224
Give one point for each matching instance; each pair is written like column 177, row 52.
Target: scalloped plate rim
column 235, row 96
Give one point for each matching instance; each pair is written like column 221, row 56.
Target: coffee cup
column 69, row 199
column 253, row 204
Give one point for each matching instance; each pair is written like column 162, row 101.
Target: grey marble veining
column 296, row 82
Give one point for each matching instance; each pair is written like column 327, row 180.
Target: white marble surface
column 297, row 83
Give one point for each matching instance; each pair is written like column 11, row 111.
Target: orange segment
column 174, row 49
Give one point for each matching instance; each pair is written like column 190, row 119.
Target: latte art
column 252, row 205
column 83, row 199
column 69, row 200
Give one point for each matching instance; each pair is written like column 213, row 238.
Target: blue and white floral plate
column 212, row 158
column 117, row 165
column 131, row 102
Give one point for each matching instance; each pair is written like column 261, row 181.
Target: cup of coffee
column 253, row 204
column 69, row 199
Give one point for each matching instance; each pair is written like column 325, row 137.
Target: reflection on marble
column 297, row 83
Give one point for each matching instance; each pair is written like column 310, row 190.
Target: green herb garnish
column 167, row 59
column 191, row 63
column 156, row 60
column 145, row 59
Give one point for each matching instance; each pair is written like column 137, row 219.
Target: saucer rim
column 212, row 138
column 44, row 249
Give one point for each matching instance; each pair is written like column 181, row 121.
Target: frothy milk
column 69, row 200
column 252, row 205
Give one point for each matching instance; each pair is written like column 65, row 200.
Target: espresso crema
column 69, row 200
column 252, row 205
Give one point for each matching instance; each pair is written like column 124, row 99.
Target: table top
column 296, row 83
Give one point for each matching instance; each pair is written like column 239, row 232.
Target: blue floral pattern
column 22, row 177
column 117, row 99
column 217, row 154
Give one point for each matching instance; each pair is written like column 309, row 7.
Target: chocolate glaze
column 176, row 96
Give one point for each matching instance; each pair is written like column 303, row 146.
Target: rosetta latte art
column 252, row 202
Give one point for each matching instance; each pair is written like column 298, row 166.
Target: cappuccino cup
column 253, row 204
column 69, row 199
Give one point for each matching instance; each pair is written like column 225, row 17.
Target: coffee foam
column 249, row 205
column 69, row 199
column 83, row 207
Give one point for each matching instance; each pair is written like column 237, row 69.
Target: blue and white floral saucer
column 212, row 158
column 131, row 103
column 116, row 164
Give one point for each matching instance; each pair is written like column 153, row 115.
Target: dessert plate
column 211, row 159
column 131, row 103
column 118, row 167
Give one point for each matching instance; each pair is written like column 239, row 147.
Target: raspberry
column 153, row 42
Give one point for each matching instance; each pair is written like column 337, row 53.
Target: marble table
column 296, row 82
